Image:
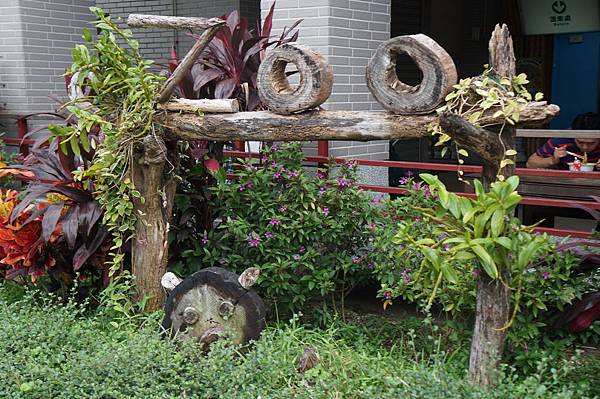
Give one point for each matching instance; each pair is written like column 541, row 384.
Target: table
column 552, row 187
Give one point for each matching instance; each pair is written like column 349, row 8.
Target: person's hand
column 559, row 152
column 598, row 165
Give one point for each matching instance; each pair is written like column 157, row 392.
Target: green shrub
column 542, row 288
column 51, row 351
column 305, row 231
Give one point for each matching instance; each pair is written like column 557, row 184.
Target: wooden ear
column 249, row 277
column 315, row 79
column 169, row 281
column 436, row 65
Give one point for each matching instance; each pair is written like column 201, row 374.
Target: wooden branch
column 478, row 141
column 159, row 21
column 188, row 61
column 204, row 105
column 316, row 125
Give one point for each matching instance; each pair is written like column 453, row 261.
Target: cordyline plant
column 228, row 68
column 60, row 209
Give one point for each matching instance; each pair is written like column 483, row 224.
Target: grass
column 66, row 351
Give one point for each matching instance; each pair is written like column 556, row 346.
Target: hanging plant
column 478, row 96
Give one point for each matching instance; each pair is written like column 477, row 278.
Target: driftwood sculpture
column 189, row 305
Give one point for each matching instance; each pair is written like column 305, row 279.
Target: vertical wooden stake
column 493, row 296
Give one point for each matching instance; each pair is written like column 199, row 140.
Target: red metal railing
column 527, row 200
column 322, row 158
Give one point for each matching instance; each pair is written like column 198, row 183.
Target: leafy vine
column 121, row 103
column 473, row 97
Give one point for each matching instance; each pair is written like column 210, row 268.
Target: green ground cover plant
column 58, row 351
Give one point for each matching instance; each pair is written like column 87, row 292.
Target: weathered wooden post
column 153, row 172
column 493, row 309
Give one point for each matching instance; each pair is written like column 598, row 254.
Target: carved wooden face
column 211, row 304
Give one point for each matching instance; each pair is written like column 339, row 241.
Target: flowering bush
column 306, row 231
column 417, row 236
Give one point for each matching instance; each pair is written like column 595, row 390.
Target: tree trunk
column 487, row 346
column 493, row 296
column 152, row 176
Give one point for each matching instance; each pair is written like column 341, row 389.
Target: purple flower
column 416, row 186
column 276, row 175
column 249, row 184
column 446, row 247
column 275, row 222
column 325, row 211
column 301, row 249
column 321, row 175
column 407, row 279
column 242, row 188
column 341, row 183
column 264, row 158
column 268, row 235
column 371, row 225
column 388, row 295
column 292, row 173
column 475, row 273
column 403, row 180
column 204, row 240
column 282, row 209
column 417, row 219
column 296, row 257
column 545, row 275
column 426, row 191
column 322, row 191
column 356, row 259
column 408, row 173
column 274, row 147
column 351, row 163
column 370, row 265
column 253, row 240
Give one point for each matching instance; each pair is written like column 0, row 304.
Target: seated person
column 554, row 153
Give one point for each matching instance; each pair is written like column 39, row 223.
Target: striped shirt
column 547, row 151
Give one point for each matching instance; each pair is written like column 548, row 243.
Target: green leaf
column 505, row 242
column 87, row 35
column 478, row 188
column 539, row 96
column 432, row 256
column 449, row 273
column 526, row 254
column 497, row 224
column 487, row 262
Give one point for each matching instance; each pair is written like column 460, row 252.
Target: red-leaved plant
column 229, row 66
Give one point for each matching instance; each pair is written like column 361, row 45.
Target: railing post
column 322, row 150
column 21, row 133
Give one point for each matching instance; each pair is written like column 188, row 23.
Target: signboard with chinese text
column 540, row 17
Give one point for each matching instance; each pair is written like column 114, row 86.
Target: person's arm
column 537, row 161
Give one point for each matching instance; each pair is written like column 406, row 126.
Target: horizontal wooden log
column 204, row 105
column 166, row 22
column 317, row 125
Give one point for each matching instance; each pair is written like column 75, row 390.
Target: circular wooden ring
column 316, row 79
column 436, row 65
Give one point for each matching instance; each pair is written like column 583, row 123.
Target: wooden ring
column 316, row 79
column 436, row 65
